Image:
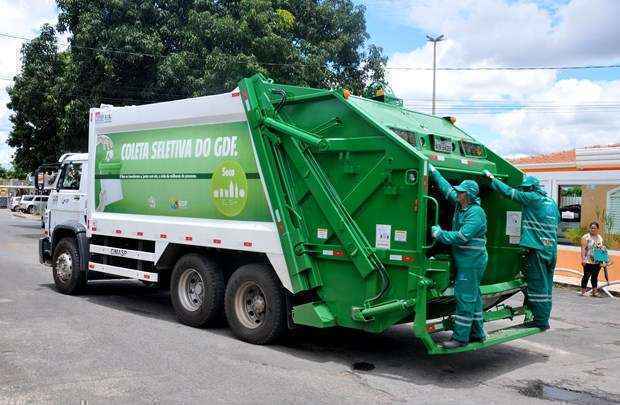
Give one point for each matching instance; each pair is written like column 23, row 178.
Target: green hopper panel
column 347, row 179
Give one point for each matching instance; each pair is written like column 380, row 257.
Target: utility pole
column 434, row 41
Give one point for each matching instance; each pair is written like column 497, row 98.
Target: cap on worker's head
column 530, row 181
column 468, row 186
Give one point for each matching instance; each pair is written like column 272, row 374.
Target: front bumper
column 45, row 251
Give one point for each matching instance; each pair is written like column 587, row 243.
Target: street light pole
column 434, row 41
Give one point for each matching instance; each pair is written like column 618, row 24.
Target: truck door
column 68, row 202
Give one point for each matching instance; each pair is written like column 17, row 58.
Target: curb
column 25, row 216
column 577, row 287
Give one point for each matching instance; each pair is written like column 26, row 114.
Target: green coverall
column 468, row 241
column 539, row 225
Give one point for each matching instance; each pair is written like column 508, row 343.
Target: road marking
column 5, row 300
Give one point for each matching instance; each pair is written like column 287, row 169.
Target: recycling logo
column 229, row 188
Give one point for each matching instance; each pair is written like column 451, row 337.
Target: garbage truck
column 276, row 206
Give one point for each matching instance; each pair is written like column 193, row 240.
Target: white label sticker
column 465, row 161
column 321, row 233
column 103, row 116
column 514, row 240
column 441, row 158
column 382, row 236
column 396, row 257
column 513, row 223
column 568, row 215
column 400, row 236
column 328, row 252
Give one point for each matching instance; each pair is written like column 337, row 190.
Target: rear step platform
column 494, row 338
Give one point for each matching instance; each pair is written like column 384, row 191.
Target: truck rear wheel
column 68, row 276
column 255, row 304
column 197, row 290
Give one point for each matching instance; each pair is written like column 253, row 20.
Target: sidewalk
column 576, row 282
column 569, row 268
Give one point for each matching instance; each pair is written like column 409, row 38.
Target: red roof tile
column 565, row 156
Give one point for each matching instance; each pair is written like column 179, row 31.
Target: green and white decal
column 202, row 171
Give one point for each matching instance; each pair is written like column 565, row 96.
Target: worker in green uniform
column 539, row 225
column 468, row 241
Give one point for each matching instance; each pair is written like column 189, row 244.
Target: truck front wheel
column 255, row 304
column 68, row 276
column 197, row 290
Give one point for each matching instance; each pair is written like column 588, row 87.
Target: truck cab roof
column 73, row 157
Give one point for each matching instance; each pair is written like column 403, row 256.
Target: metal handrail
column 436, row 217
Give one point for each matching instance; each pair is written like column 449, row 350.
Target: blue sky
column 516, row 113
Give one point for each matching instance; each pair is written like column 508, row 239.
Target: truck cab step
column 494, row 338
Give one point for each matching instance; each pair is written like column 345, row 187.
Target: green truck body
column 348, row 181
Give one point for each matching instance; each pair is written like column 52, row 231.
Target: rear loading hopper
column 347, row 179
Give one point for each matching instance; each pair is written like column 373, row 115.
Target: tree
column 16, row 173
column 3, row 172
column 134, row 52
column 35, row 103
column 375, row 64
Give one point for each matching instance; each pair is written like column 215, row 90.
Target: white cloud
column 595, row 121
column 524, row 32
column 527, row 111
column 461, row 84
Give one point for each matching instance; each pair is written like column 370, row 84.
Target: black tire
column 244, row 324
column 67, row 270
column 205, row 306
column 30, row 210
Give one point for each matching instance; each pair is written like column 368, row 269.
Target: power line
column 506, row 68
column 4, row 34
column 416, row 68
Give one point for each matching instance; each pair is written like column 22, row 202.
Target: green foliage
column 16, row 173
column 375, row 63
column 607, row 222
column 574, row 191
column 574, row 235
column 35, row 101
column 3, row 173
column 136, row 52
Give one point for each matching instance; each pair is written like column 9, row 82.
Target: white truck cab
column 67, row 204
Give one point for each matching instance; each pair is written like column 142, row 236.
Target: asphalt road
column 119, row 342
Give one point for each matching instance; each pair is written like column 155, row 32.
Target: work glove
column 488, row 174
column 431, row 168
column 435, row 230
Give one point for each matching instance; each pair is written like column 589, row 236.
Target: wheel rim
column 191, row 290
column 250, row 305
column 64, row 267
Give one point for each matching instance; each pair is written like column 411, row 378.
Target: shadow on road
column 395, row 354
column 28, row 226
column 128, row 296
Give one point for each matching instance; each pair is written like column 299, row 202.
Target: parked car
column 14, row 203
column 33, row 204
column 24, row 201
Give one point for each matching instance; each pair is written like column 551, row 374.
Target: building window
column 612, row 217
column 569, row 204
column 580, row 205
